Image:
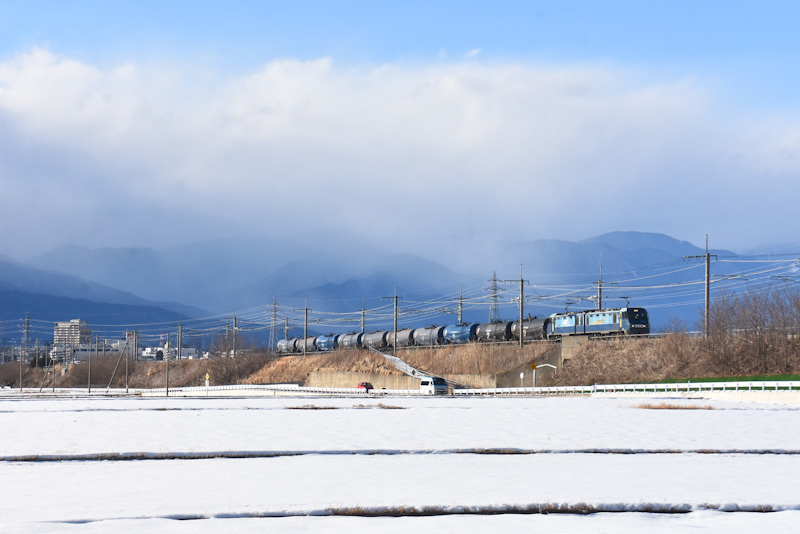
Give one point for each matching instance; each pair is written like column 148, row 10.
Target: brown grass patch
column 296, row 369
column 665, row 406
column 380, row 405
column 311, row 407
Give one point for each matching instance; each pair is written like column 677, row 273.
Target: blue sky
column 674, row 117
column 717, row 36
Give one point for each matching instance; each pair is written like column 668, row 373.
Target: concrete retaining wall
column 347, row 379
column 572, row 344
column 476, row 381
column 510, row 379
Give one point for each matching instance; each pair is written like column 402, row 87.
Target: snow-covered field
column 293, row 464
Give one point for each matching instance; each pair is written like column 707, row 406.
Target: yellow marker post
column 207, row 378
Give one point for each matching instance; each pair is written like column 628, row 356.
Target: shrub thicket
column 755, row 333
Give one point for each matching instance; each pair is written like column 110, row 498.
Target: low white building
column 79, row 353
column 168, row 351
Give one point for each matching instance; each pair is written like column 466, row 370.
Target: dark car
column 366, row 386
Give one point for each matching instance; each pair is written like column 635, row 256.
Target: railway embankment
column 612, row 361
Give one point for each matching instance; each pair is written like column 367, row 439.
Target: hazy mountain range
column 142, row 285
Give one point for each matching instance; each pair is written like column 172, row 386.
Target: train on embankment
column 594, row 323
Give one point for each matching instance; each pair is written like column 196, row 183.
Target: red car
column 366, row 386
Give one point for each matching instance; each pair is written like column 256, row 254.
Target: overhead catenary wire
column 757, row 277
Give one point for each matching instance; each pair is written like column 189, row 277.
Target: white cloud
column 569, row 151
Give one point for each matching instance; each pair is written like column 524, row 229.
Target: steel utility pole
column 305, row 328
column 459, row 310
column 305, row 325
column 600, row 284
column 166, row 378
column 54, row 370
column 521, row 283
column 234, row 334
column 127, row 357
column 707, row 311
column 363, row 315
column 24, row 348
column 600, row 290
column 394, row 333
column 96, row 342
column 706, row 317
column 25, row 333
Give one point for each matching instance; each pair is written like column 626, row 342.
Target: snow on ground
column 282, row 464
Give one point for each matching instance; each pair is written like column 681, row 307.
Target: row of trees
column 756, row 331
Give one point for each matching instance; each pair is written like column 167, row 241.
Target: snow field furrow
column 376, row 485
column 488, row 510
column 243, row 455
column 79, row 426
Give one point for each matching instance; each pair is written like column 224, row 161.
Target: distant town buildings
column 72, row 341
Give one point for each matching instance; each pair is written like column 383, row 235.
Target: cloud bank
column 461, row 151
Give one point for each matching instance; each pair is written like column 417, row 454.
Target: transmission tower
column 494, row 309
column 272, row 324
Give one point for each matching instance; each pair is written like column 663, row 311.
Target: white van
column 433, row 386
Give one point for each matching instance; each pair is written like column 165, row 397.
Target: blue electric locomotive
column 628, row 321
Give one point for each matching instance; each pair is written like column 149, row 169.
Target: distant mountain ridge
column 52, row 296
column 199, row 279
column 15, row 276
column 103, row 317
column 614, row 252
column 202, row 274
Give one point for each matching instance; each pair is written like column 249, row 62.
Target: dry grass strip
column 381, row 405
column 311, row 407
column 665, row 406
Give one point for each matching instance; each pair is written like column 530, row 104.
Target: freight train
column 595, row 323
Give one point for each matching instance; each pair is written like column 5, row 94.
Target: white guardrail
column 682, row 387
column 291, row 390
